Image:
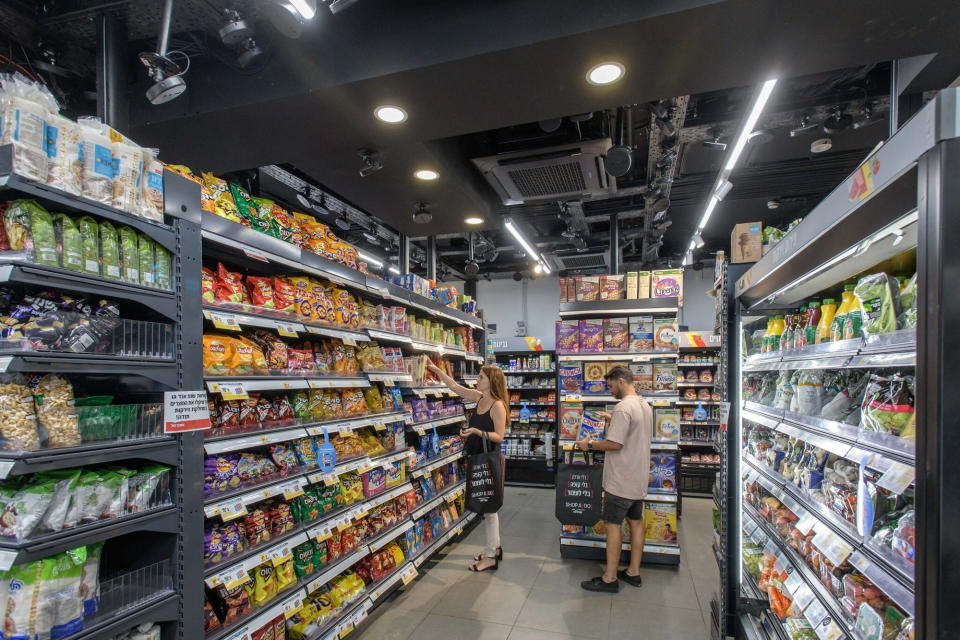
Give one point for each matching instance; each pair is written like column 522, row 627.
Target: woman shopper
column 488, row 423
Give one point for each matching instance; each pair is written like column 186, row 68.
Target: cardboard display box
column 746, row 242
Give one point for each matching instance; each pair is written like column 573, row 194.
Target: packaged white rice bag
column 60, row 610
column 98, row 169
column 128, row 164
column 22, row 600
column 23, row 123
column 151, row 185
column 64, row 155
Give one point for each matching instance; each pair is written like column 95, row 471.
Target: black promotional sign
column 485, row 482
column 579, row 494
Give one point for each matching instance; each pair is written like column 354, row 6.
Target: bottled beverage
column 799, row 333
column 786, row 338
column 846, row 302
column 813, row 319
column 765, row 344
column 776, row 331
column 827, row 311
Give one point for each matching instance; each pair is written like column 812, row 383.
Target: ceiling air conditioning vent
column 566, row 171
column 579, row 261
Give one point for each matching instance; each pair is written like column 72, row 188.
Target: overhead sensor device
column 166, row 74
column 806, row 124
column 421, row 213
column 289, row 16
column 371, row 162
column 236, row 29
column 715, row 143
column 250, row 52
column 821, row 145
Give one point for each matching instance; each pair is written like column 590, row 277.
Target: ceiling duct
column 553, row 173
column 579, row 261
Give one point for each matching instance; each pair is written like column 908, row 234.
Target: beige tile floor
column 536, row 595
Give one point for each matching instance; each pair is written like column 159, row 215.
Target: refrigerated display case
column 840, row 522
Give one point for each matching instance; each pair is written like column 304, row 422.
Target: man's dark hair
column 619, row 373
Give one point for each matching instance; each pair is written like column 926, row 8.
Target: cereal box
column 632, row 284
column 571, row 416
column 588, row 288
column 641, row 333
column 665, row 336
column 663, row 473
column 667, row 421
column 611, row 287
column 591, row 336
column 667, row 283
column 592, row 425
column 643, row 284
column 568, row 336
column 593, row 382
column 616, row 334
column 664, row 376
column 571, row 377
column 642, row 376
column 660, row 522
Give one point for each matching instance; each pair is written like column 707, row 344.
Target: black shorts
column 615, row 509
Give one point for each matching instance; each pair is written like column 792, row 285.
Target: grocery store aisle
column 535, row 595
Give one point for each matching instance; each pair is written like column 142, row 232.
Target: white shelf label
column 408, row 574
column 832, row 546
column 6, row 466
column 224, row 321
column 794, row 580
column 289, row 329
column 184, row 411
column 232, row 509
column 897, row 478
column 229, row 390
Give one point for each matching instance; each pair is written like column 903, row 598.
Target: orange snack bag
column 216, row 351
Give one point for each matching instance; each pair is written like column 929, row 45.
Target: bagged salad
column 25, row 107
column 908, row 304
column 879, row 297
column 888, row 406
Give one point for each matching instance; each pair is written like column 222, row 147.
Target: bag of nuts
column 53, row 395
column 18, row 429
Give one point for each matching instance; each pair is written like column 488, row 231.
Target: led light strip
column 527, row 247
column 722, row 185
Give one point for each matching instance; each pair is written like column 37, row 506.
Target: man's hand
column 583, row 445
column 604, row 414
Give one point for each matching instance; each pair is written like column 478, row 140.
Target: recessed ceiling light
column 605, row 73
column 390, row 113
column 473, row 220
column 426, row 174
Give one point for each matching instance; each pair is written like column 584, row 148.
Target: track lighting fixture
column 236, row 30
column 342, row 222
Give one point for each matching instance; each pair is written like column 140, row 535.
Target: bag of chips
column 216, row 353
column 260, row 291
column 223, row 203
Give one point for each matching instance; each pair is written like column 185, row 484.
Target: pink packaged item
column 568, row 336
column 591, row 336
column 384, row 317
column 398, row 320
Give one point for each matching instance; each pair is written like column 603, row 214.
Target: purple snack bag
column 220, row 473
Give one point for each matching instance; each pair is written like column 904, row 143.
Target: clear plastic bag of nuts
column 56, row 412
column 18, row 428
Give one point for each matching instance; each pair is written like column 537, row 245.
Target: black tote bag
column 579, row 494
column 485, row 480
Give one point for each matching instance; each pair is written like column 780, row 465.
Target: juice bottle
column 853, row 320
column 813, row 318
column 846, row 301
column 801, row 322
column 786, row 338
column 827, row 311
column 776, row 332
column 765, row 345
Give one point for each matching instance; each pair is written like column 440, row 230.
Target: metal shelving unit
column 530, row 469
column 697, row 437
column 901, row 199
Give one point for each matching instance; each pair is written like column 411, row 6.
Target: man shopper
column 626, row 471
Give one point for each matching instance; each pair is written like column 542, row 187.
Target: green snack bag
column 69, row 242
column 908, row 303
column 145, row 248
column 303, row 559
column 129, row 256
column 42, row 234
column 162, row 267
column 109, row 250
column 265, row 214
column 23, row 513
column 89, row 245
column 248, row 209
column 879, row 296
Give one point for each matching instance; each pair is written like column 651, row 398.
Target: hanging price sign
column 408, row 574
column 380, row 426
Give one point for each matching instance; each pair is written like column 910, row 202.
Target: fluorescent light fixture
column 723, row 188
column 426, row 174
column 707, row 213
column 306, row 8
column 390, row 113
column 750, row 123
column 473, row 220
column 840, row 257
column 392, row 269
column 538, row 268
column 531, row 252
column 605, row 73
column 377, row 262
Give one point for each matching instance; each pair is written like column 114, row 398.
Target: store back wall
column 537, row 302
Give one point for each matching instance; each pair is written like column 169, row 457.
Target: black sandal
column 493, row 567
column 480, row 556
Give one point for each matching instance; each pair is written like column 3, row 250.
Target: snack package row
column 636, row 334
column 659, row 521
column 84, row 158
column 262, row 353
column 431, row 526
column 662, row 283
column 447, row 295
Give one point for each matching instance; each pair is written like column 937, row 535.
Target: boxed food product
column 663, row 473
column 593, row 382
column 571, row 377
column 667, row 283
column 643, row 284
column 660, row 522
column 615, row 334
column 664, row 376
column 588, row 288
column 641, row 333
column 665, row 337
column 591, row 336
column 667, row 421
column 642, row 376
column 611, row 287
column 746, row 242
column 568, row 336
column 571, row 416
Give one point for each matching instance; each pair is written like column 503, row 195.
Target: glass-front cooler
column 842, row 428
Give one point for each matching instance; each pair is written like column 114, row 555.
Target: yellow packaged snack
column 258, row 361
column 264, row 584
column 223, row 203
column 240, row 358
column 371, row 445
column 374, row 400
column 216, row 352
column 316, row 407
column 286, row 576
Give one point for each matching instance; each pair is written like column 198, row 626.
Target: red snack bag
column 284, row 296
column 228, row 414
column 248, row 411
column 282, row 409
column 229, row 286
column 264, row 409
column 261, row 292
column 208, row 285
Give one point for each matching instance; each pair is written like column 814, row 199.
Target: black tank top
column 474, row 443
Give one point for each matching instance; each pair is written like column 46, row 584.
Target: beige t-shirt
column 626, row 472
